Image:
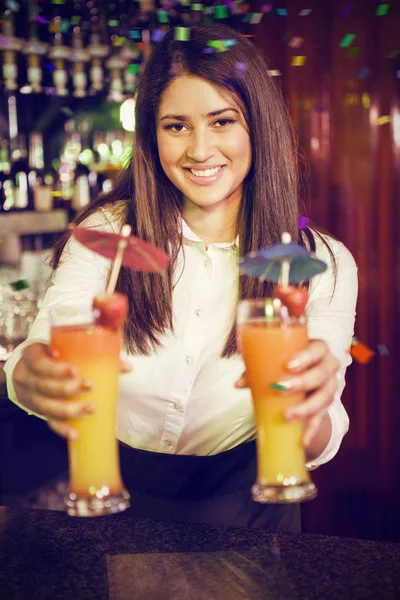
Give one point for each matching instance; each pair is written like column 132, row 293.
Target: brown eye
column 175, row 127
column 224, row 122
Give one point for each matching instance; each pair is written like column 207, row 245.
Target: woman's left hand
column 313, row 372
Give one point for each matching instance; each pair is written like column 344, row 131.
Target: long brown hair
column 153, row 205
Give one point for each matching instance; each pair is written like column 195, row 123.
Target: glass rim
column 255, row 309
column 72, row 314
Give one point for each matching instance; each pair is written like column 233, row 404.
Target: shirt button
column 198, row 312
column 206, row 263
column 188, row 360
column 177, row 406
column 168, row 442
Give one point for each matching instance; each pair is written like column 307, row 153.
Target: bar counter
column 48, row 555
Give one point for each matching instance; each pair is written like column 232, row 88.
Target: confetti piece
column 393, row 54
column 240, row 70
column 296, row 42
column 58, row 1
column 20, row 284
column 361, row 353
column 274, row 73
column 175, row 68
column 266, row 8
column 197, row 6
column 256, row 18
column 282, row 12
column 75, row 20
column 112, row 23
column 133, row 68
column 64, row 26
column 182, row 34
column 162, row 16
column 119, row 41
column 217, row 44
column 278, row 387
column 366, row 100
column 40, row 19
column 305, row 12
column 303, row 222
column 363, row 73
column 157, row 35
column 353, row 52
column 382, row 9
column 221, row 12
column 347, row 40
column 67, row 111
column 382, row 349
column 135, row 34
column 383, row 120
column 49, row 67
column 346, row 10
column 298, row 61
column 208, row 50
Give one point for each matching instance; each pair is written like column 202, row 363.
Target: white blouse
column 181, row 399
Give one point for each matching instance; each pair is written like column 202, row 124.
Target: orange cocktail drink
column 268, row 338
column 95, row 484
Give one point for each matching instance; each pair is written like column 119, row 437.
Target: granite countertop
column 48, row 555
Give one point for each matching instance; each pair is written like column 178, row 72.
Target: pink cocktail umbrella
column 123, row 249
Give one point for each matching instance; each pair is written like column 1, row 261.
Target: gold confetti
column 298, row 61
column 383, row 120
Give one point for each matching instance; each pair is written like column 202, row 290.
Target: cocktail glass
column 95, row 483
column 268, row 337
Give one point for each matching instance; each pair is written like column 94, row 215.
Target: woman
column 213, row 176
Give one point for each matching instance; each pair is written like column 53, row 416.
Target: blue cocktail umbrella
column 284, row 263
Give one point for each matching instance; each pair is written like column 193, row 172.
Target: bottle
column 19, row 175
column 81, row 195
column 4, row 174
column 42, row 200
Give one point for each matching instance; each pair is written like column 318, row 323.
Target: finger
column 313, row 354
column 316, row 402
column 125, row 366
column 39, row 360
column 56, row 388
column 63, row 429
column 61, row 410
column 312, row 378
column 242, row 382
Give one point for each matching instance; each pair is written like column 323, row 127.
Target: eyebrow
column 214, row 113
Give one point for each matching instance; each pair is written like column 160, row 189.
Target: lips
column 204, row 175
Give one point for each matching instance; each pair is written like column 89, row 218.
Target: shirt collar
column 188, row 234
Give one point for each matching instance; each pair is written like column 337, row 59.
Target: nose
column 200, row 148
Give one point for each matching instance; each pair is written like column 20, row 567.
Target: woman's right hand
column 43, row 385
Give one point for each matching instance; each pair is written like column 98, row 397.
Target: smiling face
column 203, row 142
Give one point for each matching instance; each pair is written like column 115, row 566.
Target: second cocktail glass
column 268, row 337
column 95, row 485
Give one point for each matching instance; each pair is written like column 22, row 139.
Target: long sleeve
column 331, row 311
column 80, row 276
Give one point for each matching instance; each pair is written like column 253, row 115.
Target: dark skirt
column 202, row 489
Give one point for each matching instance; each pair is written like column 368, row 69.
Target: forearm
column 321, row 439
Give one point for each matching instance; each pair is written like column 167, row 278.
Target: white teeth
column 207, row 173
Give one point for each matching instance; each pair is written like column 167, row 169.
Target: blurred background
column 69, row 71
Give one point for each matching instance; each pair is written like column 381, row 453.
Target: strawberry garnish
column 294, row 298
column 110, row 310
